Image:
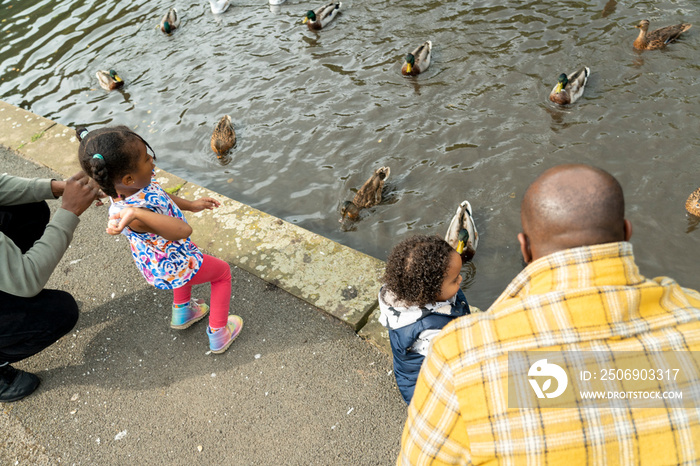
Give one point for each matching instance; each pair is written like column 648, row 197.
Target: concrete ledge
column 338, row 280
column 376, row 333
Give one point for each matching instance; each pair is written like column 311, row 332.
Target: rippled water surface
column 317, row 113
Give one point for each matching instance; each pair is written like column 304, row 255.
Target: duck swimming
column 570, row 88
column 224, row 137
column 658, row 38
column 170, row 21
column 321, row 16
column 219, row 6
column 417, row 61
column 369, row 195
column 462, row 234
column 692, row 205
column 109, row 79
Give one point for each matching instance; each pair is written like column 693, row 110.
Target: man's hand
column 79, row 193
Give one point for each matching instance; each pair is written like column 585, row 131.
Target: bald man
column 580, row 292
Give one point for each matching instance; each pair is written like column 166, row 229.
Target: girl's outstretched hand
column 120, row 220
column 204, row 203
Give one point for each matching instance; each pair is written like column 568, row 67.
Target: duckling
column 658, row 38
column 170, row 21
column 319, row 18
column 109, row 79
column 417, row 61
column 369, row 195
column 692, row 205
column 570, row 88
column 224, row 137
column 462, row 234
column 219, row 6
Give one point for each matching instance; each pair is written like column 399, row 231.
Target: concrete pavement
column 297, row 387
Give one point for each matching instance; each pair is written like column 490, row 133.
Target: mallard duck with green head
column 320, row 17
column 224, row 137
column 109, row 79
column 417, row 61
column 570, row 88
column 658, row 38
column 170, row 21
column 462, row 234
column 369, row 195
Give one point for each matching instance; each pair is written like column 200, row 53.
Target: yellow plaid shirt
column 580, row 299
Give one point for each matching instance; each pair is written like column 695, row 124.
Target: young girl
column 118, row 160
column 420, row 296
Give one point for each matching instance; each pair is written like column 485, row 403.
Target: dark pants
column 28, row 325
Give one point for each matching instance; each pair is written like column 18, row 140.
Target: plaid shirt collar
column 608, row 264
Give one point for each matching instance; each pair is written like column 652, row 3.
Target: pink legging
column 218, row 273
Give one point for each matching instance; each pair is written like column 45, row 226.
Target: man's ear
column 525, row 247
column 628, row 230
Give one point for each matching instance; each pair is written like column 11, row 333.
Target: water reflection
column 307, row 123
column 609, row 8
column 415, row 83
column 558, row 114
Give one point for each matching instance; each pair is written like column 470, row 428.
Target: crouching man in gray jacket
column 31, row 317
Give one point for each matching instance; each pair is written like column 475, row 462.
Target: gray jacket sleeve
column 26, row 275
column 16, row 190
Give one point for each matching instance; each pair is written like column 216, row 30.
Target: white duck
column 219, row 6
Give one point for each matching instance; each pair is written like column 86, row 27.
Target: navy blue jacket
column 407, row 363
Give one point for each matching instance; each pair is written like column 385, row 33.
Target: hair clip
column 98, row 156
column 83, row 133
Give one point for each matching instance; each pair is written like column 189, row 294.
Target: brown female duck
column 224, row 137
column 369, row 195
column 658, row 38
column 692, row 205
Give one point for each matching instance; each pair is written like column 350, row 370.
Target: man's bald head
column 570, row 206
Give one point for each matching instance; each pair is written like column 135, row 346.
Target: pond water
column 317, row 113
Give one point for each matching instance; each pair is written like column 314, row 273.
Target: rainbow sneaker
column 220, row 340
column 187, row 314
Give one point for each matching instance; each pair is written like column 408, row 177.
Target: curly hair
column 416, row 268
column 117, row 156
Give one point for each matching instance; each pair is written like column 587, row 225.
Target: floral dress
column 164, row 264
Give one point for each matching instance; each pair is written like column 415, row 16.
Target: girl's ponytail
column 81, row 132
column 94, row 164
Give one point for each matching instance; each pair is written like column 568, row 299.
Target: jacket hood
column 395, row 314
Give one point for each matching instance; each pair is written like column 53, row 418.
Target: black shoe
column 16, row 384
